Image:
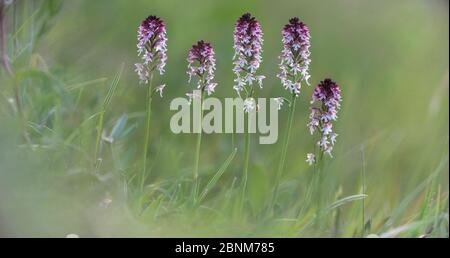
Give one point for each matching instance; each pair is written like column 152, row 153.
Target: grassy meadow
column 72, row 63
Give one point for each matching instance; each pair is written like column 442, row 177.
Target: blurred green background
column 389, row 57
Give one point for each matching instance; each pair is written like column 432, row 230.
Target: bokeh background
column 389, row 57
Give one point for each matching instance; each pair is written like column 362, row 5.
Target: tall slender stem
column 363, row 179
column 3, row 41
column 318, row 189
column 246, row 156
column 319, row 177
column 246, row 163
column 14, row 24
column 197, row 151
column 307, row 199
column 233, row 140
column 284, row 151
column 99, row 133
column 5, row 62
column 147, row 131
column 5, row 59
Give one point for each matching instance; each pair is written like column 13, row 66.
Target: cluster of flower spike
column 327, row 97
column 202, row 63
column 295, row 57
column 152, row 47
column 248, row 41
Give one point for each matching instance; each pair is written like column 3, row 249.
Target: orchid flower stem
column 233, row 140
column 147, row 132
column 245, row 171
column 283, row 153
column 317, row 188
column 197, row 152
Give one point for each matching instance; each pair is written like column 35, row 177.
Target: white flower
column 333, row 137
column 160, row 89
column 210, row 88
column 279, row 101
column 296, row 87
column 105, row 203
column 327, row 128
column 240, row 84
column 310, row 158
column 323, row 143
column 328, row 151
column 249, row 78
column 311, row 128
column 142, row 72
column 249, row 105
column 260, row 79
column 312, row 125
column 192, row 96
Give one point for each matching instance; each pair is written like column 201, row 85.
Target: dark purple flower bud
column 327, row 92
column 248, row 41
column 326, row 101
column 295, row 56
column 202, row 63
column 152, row 47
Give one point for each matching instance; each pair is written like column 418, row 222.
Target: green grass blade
column 437, row 210
column 112, row 88
column 81, row 85
column 217, row 176
column 347, row 199
column 413, row 195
